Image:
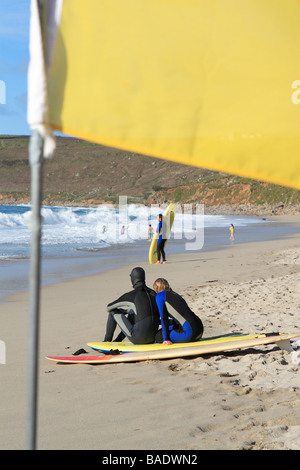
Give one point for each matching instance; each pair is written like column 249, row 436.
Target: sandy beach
column 247, row 399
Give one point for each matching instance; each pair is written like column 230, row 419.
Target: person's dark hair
column 137, row 276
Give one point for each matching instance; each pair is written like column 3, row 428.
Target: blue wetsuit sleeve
column 159, row 230
column 160, row 301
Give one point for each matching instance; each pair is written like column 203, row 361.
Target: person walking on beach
column 179, row 323
column 135, row 312
column 161, row 241
column 150, row 232
column 231, row 228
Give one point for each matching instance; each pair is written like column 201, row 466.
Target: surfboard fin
column 285, row 345
column 80, row 351
column 112, row 352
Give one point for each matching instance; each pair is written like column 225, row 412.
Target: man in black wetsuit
column 135, row 312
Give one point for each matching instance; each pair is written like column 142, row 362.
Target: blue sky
column 14, row 57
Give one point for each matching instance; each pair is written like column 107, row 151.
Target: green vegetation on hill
column 84, row 173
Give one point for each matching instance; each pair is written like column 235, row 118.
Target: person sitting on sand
column 179, row 323
column 135, row 312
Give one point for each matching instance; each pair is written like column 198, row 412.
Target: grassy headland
column 84, row 173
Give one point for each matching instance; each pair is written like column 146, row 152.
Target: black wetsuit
column 184, row 326
column 161, row 229
column 135, row 312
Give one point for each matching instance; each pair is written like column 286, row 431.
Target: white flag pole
column 36, row 164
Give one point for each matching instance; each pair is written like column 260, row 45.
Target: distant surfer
column 179, row 323
column 231, row 228
column 161, row 241
column 135, row 312
column 150, row 232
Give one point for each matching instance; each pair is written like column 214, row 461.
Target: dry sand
column 246, row 399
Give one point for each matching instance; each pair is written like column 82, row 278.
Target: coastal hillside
column 84, row 173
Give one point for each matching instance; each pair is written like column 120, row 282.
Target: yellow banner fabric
column 209, row 83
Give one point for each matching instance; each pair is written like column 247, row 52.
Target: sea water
column 68, row 230
column 79, row 241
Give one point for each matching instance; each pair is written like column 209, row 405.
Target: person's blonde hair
column 160, row 285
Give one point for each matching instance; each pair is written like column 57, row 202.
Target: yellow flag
column 209, row 83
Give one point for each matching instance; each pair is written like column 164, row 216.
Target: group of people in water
column 157, row 315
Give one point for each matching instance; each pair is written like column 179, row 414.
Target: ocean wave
column 104, row 225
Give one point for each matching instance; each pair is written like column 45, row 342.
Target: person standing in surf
column 150, row 232
column 161, row 241
column 231, row 228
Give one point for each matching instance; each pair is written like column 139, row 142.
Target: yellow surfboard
column 127, row 347
column 168, row 217
column 282, row 340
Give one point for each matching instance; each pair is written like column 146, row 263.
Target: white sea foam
column 101, row 226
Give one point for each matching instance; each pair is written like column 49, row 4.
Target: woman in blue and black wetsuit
column 179, row 324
